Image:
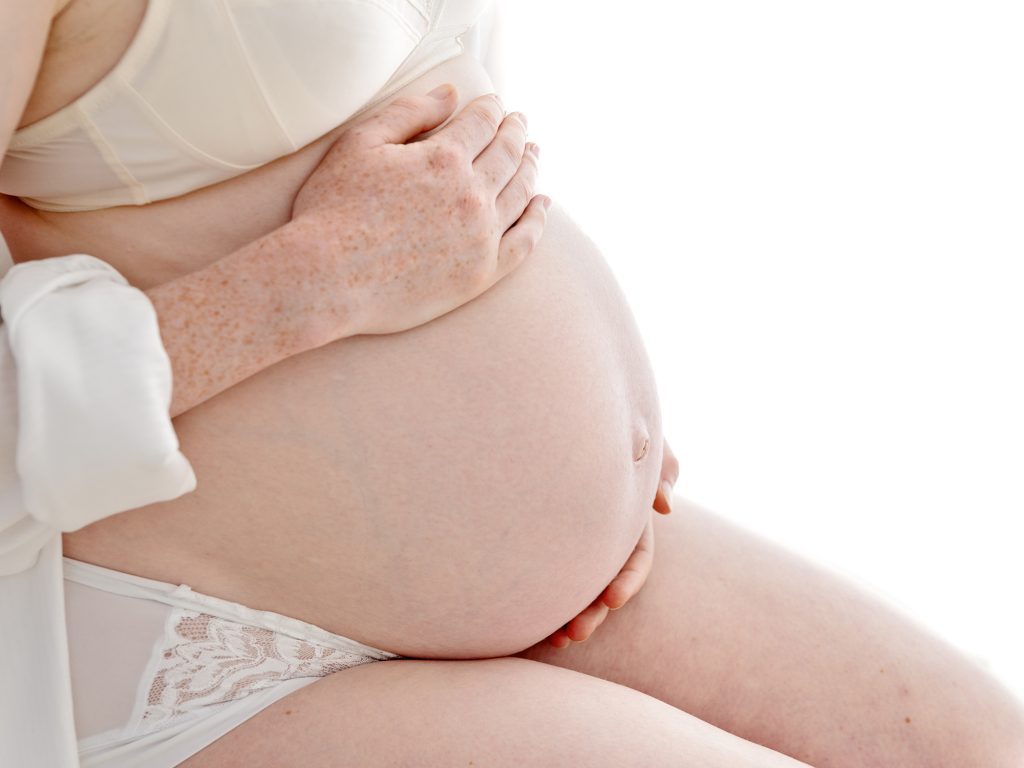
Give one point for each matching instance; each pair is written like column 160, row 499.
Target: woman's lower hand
column 633, row 574
column 397, row 232
column 667, row 481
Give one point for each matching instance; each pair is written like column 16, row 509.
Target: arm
column 225, row 323
column 325, row 275
column 217, row 326
column 23, row 30
column 87, row 383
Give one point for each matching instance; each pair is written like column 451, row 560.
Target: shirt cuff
column 93, row 393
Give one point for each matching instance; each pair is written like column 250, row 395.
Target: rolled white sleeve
column 85, row 432
column 93, row 393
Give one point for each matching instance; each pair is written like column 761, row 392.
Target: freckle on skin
column 906, row 719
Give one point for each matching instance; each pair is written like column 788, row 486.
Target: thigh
column 490, row 712
column 743, row 634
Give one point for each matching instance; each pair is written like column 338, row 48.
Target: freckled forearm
column 241, row 314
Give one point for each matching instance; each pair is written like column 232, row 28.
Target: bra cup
column 211, row 89
column 71, row 166
column 313, row 68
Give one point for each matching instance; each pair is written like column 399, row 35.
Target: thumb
column 408, row 116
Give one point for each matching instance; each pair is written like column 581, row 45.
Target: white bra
column 210, row 89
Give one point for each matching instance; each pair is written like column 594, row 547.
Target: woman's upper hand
column 401, row 233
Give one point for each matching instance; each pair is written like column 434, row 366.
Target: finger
column 522, row 237
column 583, row 626
column 669, row 476
column 669, row 464
column 404, row 118
column 473, row 128
column 633, row 574
column 559, row 639
column 501, row 158
column 663, row 498
column 519, row 190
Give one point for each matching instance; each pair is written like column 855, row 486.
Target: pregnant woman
column 415, row 483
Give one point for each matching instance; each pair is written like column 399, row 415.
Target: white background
column 816, row 210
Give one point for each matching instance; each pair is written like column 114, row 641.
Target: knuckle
column 477, row 273
column 442, row 156
column 462, row 275
column 472, row 209
column 469, row 205
column 529, row 175
column 513, row 253
column 483, row 278
column 523, row 187
column 528, row 170
column 354, row 135
column 510, row 150
column 520, row 246
column 517, row 121
column 486, row 118
column 405, row 105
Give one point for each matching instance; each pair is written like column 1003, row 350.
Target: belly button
column 643, row 450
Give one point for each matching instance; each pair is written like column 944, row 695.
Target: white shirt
column 85, row 432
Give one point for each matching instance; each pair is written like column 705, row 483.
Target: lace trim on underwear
column 204, row 661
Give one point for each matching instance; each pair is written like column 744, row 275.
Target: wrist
column 271, row 281
column 310, row 282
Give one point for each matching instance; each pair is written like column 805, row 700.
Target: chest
column 228, row 43
column 87, row 39
column 144, row 100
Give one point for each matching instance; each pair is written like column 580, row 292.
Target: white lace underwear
column 158, row 671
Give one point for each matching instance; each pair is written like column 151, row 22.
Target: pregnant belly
column 458, row 490
column 461, row 489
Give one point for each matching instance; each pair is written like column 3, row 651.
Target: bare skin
column 482, row 443
column 729, row 628
column 493, row 713
column 756, row 640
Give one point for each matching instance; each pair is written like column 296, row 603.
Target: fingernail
column 666, row 490
column 442, row 92
column 535, row 148
column 547, row 202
